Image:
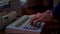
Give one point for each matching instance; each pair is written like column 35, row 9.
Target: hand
column 44, row 17
column 35, row 18
column 47, row 16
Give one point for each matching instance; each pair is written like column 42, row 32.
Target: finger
column 32, row 19
column 35, row 22
column 38, row 15
column 38, row 23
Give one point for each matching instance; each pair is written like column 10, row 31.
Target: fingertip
column 35, row 22
column 31, row 22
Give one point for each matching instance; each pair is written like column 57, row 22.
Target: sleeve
column 56, row 11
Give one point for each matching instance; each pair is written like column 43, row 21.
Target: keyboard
column 22, row 25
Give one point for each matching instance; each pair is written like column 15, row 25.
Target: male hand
column 42, row 17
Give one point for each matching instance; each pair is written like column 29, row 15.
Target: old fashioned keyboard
column 22, row 25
